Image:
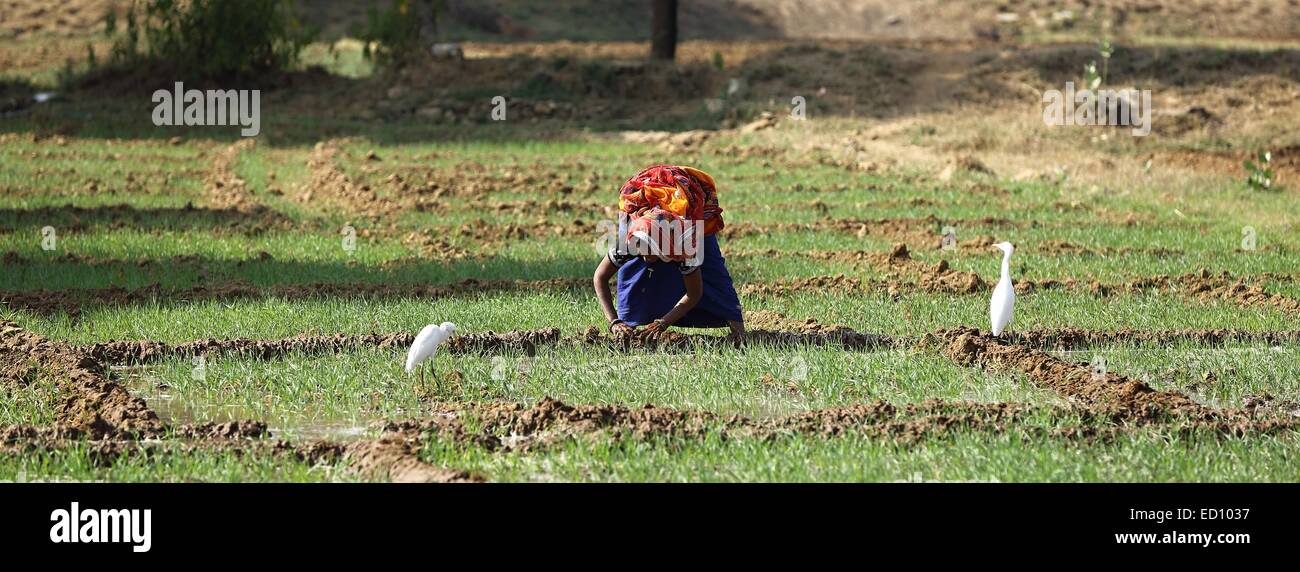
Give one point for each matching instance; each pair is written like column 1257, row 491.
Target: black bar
column 940, row 520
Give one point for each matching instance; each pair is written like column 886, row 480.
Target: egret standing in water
column 426, row 344
column 1004, row 295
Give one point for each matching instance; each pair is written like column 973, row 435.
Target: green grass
column 81, row 463
column 573, row 310
column 1146, row 456
column 347, row 393
column 29, row 402
column 1218, row 377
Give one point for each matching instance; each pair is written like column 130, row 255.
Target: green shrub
column 394, row 34
column 1260, row 172
column 211, row 38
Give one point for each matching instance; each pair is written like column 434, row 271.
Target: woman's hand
column 619, row 329
column 654, row 330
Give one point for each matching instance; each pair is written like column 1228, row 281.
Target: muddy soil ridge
column 524, row 427
column 527, row 342
column 769, row 329
column 1125, row 398
column 512, row 426
column 393, row 457
column 88, row 400
column 897, row 273
column 1080, row 338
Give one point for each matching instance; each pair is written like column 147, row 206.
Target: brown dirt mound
column 1285, row 161
column 128, row 352
column 13, row 434
column 225, row 189
column 393, row 457
column 1078, row 338
column 89, row 401
column 329, row 183
column 1108, row 392
column 768, row 328
column 512, row 426
column 390, row 457
column 941, row 278
column 238, row 429
column 776, row 321
column 1202, row 285
column 809, row 333
column 1238, row 292
column 1266, row 403
column 516, row 426
column 916, row 419
column 105, row 452
column 834, row 284
column 1061, row 247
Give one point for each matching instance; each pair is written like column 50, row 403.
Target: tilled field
column 96, row 410
column 195, row 306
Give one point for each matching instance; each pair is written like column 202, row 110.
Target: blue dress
column 648, row 290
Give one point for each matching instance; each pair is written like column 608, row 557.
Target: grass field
column 213, row 279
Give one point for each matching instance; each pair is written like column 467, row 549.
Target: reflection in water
column 143, row 381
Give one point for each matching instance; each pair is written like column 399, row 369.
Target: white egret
column 1004, row 295
column 426, row 343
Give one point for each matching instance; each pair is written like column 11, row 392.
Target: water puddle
column 145, row 382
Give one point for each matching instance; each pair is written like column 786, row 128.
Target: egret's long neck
column 1006, row 265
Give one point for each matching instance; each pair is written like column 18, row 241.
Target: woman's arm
column 694, row 292
column 600, row 282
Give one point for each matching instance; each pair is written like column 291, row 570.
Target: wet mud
column 87, row 399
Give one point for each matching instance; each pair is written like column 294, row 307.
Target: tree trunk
column 663, row 33
column 428, row 11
